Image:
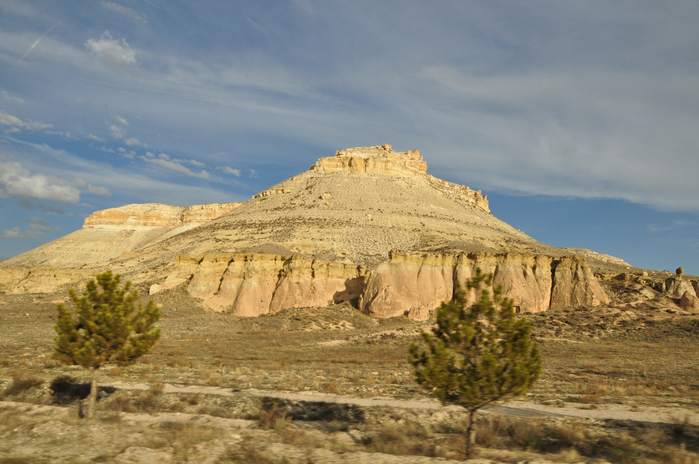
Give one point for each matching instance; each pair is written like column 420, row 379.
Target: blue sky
column 579, row 118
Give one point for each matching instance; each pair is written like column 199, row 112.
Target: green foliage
column 479, row 354
column 106, row 326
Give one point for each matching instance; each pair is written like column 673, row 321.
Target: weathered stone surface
column 575, row 284
column 251, row 284
column 414, row 284
column 157, row 215
column 689, row 302
column 374, row 160
column 676, row 286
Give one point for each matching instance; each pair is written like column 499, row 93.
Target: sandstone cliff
column 411, row 284
column 253, row 284
column 414, row 284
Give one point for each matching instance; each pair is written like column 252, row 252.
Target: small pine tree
column 477, row 355
column 106, row 327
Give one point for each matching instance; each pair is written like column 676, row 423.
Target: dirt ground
column 331, row 384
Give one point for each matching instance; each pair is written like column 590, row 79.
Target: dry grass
column 21, row 383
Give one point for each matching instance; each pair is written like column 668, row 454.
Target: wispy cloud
column 166, row 162
column 13, row 98
column 124, row 10
column 13, row 121
column 119, row 133
column 230, row 170
column 103, row 191
column 94, row 137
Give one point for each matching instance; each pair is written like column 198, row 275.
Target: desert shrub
column 21, row 382
column 402, row 439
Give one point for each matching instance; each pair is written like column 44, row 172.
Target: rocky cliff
column 414, row 284
column 251, row 284
column 410, row 284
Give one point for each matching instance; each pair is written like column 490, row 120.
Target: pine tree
column 477, row 355
column 106, row 327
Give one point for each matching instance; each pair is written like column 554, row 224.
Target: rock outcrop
column 374, row 160
column 157, row 215
column 689, row 302
column 414, row 284
column 251, row 284
column 676, row 286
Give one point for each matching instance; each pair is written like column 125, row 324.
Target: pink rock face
column 253, row 284
column 689, row 302
column 414, row 284
column 575, row 284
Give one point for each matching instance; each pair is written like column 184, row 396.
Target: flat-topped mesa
column 383, row 160
column 157, row 215
column 374, row 160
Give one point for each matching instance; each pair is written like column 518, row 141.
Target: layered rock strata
column 157, row 215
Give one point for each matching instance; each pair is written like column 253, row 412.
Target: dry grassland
column 616, row 387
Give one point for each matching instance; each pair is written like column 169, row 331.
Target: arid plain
column 321, row 374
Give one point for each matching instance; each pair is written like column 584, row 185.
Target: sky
column 578, row 119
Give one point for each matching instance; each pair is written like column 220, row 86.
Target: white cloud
column 164, row 162
column 124, row 10
column 196, row 163
column 17, row 182
column 121, row 120
column 10, row 120
column 230, row 170
column 115, row 54
column 103, row 191
column 38, row 227
column 94, row 137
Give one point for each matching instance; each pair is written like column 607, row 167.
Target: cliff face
column 157, row 215
column 411, row 284
column 251, row 284
column 416, row 283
